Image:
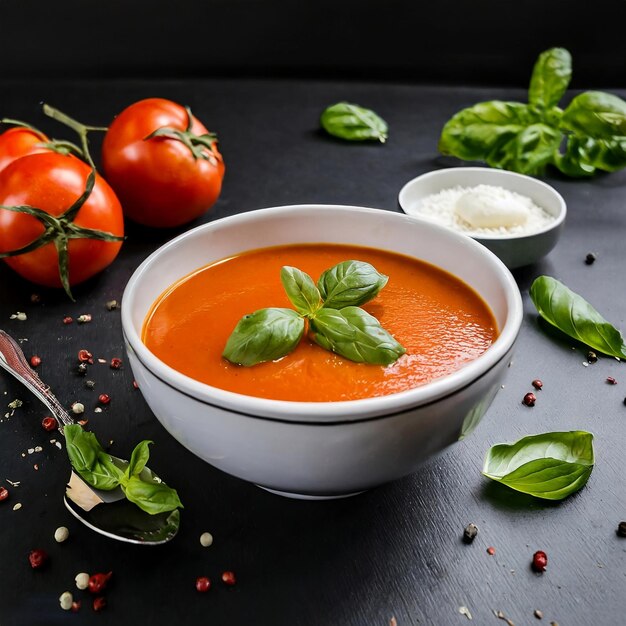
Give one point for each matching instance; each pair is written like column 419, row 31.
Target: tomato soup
column 441, row 322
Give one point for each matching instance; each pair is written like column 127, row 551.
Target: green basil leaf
column 574, row 316
column 152, row 497
column 139, row 458
column 474, row 133
column 350, row 283
column 549, row 465
column 597, row 115
column 356, row 335
column 583, row 155
column 265, row 335
column 301, row 290
column 354, row 123
column 529, row 151
column 89, row 459
column 550, row 78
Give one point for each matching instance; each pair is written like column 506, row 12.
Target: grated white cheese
column 442, row 208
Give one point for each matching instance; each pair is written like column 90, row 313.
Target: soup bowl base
column 306, row 496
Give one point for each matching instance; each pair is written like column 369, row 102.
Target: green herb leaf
column 265, row 335
column 596, row 114
column 301, row 290
column 351, row 283
column 152, row 497
column 550, row 78
column 89, row 460
column 355, row 334
column 139, row 458
column 506, row 135
column 549, row 465
column 354, row 123
column 574, row 316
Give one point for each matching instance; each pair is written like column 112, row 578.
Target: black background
column 395, row 551
column 477, row 42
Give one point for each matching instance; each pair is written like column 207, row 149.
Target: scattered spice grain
column 104, row 398
column 99, row 603
column 610, row 380
column 463, row 610
column 66, row 600
column 228, row 578
column 469, row 533
column 590, row 258
column 537, row 384
column 4, row 493
column 37, row 558
column 82, row 580
column 85, row 318
column 78, row 408
column 82, row 368
column 111, row 305
column 540, row 561
column 503, row 617
column 206, row 539
column 35, row 361
column 491, row 550
column 35, row 298
column 90, row 384
column 203, row 584
column 592, row 357
column 49, row 423
column 116, row 363
column 20, row 316
column 538, row 614
column 529, row 399
column 84, row 356
column 621, row 529
column 61, row 534
column 67, row 320
column 75, row 606
column 98, row 582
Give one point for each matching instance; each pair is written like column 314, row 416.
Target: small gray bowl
column 513, row 250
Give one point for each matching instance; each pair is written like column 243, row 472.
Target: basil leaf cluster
column 551, row 466
column 574, row 316
column 336, row 323
column 354, row 123
column 589, row 135
column 103, row 471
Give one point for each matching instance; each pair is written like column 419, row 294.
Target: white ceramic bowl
column 514, row 251
column 320, row 449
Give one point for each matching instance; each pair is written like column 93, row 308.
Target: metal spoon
column 107, row 512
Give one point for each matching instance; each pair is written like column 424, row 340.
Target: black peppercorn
column 90, row 384
column 82, row 368
column 590, row 258
column 621, row 529
column 592, row 357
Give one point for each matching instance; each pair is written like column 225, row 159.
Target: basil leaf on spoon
column 265, row 335
column 574, row 316
column 104, row 471
column 355, row 334
column 354, row 123
column 551, row 466
column 351, row 283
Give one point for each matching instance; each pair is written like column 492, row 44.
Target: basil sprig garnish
column 354, row 123
column 336, row 322
column 574, row 316
column 549, row 465
column 590, row 134
column 355, row 334
column 103, row 471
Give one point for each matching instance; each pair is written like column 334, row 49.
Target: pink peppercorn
column 116, row 363
column 228, row 578
column 99, row 603
column 49, row 424
column 37, row 558
column 104, row 398
column 203, row 584
column 529, row 399
column 540, row 560
column 35, row 361
column 67, row 320
column 4, row 493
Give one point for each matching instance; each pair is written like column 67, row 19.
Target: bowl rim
column 505, row 174
column 324, row 412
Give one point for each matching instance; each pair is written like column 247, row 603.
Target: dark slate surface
column 395, row 551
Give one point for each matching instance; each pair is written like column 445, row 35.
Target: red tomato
column 53, row 182
column 159, row 180
column 18, row 142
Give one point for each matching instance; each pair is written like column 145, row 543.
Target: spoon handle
column 13, row 360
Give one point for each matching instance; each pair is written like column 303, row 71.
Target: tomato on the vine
column 60, row 222
column 162, row 162
column 20, row 141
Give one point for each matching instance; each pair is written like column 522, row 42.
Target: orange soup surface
column 440, row 321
